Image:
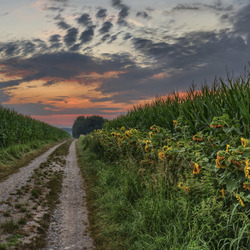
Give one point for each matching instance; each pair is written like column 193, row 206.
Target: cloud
column 186, row 7
column 53, row 8
column 105, row 27
column 143, row 14
column 70, row 37
column 200, row 46
column 60, row 66
column 9, row 49
column 105, row 38
column 87, row 35
column 28, row 48
column 127, row 36
column 84, row 20
column 124, row 11
column 242, row 21
column 55, row 38
column 63, row 25
column 113, row 38
column 60, row 1
column 75, row 47
column 217, row 6
column 50, row 83
column 102, row 13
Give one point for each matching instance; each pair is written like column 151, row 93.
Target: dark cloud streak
column 106, row 27
column 63, row 25
column 84, row 20
column 70, row 37
column 124, row 12
column 102, row 13
column 87, row 35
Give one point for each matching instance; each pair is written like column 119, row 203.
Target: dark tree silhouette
column 84, row 125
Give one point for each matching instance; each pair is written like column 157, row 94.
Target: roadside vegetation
column 22, row 138
column 173, row 173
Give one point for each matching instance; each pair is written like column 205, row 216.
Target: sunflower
column 239, row 200
column 246, row 169
column 246, row 186
column 196, row 169
column 161, row 155
column 197, row 138
column 222, row 191
column 244, row 142
column 127, row 133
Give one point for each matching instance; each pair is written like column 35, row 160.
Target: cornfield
column 18, row 129
column 196, row 108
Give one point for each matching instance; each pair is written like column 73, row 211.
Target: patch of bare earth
column 18, row 179
column 69, row 225
column 25, row 210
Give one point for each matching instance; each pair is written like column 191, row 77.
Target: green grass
column 143, row 189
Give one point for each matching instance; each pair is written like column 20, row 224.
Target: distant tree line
column 84, row 125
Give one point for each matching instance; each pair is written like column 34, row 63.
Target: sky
column 60, row 59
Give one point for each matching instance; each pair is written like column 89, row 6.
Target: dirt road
column 18, row 179
column 43, row 206
column 69, row 227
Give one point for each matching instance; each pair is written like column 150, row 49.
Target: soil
column 69, row 225
column 27, row 217
column 18, row 179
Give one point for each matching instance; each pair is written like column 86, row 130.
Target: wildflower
column 113, row 134
column 222, row 192
column 239, row 200
column 133, row 131
column 244, row 142
column 217, row 163
column 218, row 160
column 196, row 169
column 197, row 138
column 180, row 185
column 246, row 169
column 127, row 134
column 119, row 135
column 150, row 134
column 122, row 128
column 246, row 186
column 185, row 188
column 228, row 146
column 216, row 126
column 155, row 128
column 161, row 155
column 175, row 123
column 165, row 148
column 146, row 148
